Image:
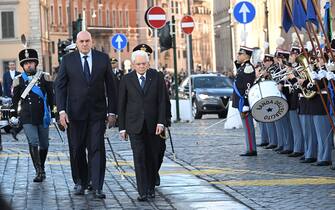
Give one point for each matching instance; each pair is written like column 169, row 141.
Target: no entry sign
column 187, row 24
column 156, row 17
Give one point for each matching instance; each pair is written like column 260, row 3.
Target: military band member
column 270, row 126
column 316, row 127
column 293, row 98
column 245, row 78
column 283, row 128
column 35, row 109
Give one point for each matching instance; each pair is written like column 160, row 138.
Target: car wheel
column 196, row 113
column 222, row 115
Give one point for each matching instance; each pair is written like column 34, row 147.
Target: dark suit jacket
column 7, row 83
column 84, row 100
column 137, row 106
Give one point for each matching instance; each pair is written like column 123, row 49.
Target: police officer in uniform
column 117, row 72
column 35, row 109
column 245, row 78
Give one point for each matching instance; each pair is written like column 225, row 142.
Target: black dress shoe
column 99, row 194
column 254, row 153
column 278, row 149
column 332, row 167
column 271, row 146
column 80, row 190
column 142, row 198
column 296, row 154
column 322, row 163
column 89, row 187
column 302, row 158
column 151, row 194
column 285, row 152
column 308, row 160
column 262, row 144
column 158, row 180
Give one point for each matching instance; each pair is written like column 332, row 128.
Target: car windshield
column 212, row 82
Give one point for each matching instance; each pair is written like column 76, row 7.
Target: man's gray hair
column 140, row 53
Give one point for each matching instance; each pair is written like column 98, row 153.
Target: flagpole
column 309, row 27
column 306, row 55
column 316, row 9
column 319, row 46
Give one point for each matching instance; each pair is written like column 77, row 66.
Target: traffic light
column 76, row 27
column 61, row 49
column 165, row 39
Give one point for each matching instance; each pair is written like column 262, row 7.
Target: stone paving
column 208, row 173
column 179, row 189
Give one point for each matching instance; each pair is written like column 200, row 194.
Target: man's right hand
column 63, row 119
column 124, row 136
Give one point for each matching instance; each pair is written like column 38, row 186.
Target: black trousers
column 74, row 170
column 89, row 135
column 147, row 159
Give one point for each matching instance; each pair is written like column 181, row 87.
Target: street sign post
column 244, row 12
column 119, row 41
column 156, row 18
column 187, row 26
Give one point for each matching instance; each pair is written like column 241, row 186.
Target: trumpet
column 305, row 73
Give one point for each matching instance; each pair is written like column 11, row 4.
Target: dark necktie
column 86, row 68
column 142, row 81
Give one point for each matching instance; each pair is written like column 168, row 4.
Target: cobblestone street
column 208, row 173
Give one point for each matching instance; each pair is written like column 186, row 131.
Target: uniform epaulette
column 16, row 80
column 248, row 69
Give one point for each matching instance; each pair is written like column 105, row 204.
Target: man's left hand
column 111, row 119
column 159, row 129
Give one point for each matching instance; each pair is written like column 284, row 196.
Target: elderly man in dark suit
column 84, row 79
column 142, row 116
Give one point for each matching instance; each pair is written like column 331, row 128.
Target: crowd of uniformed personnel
column 306, row 129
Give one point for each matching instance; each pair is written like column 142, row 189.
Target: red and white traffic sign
column 156, row 17
column 187, row 24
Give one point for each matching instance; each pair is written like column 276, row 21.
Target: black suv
column 210, row 94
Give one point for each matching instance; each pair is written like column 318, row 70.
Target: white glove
column 245, row 109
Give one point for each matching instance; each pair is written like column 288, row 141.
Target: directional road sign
column 119, row 41
column 187, row 24
column 156, row 17
column 244, row 12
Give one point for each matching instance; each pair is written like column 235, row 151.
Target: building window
column 127, row 19
column 99, row 17
column 113, row 19
column 172, row 7
column 60, row 20
column 177, row 10
column 108, row 18
column 52, row 14
column 121, row 18
column 75, row 13
column 92, row 16
column 7, row 24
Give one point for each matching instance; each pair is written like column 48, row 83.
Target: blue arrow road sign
column 119, row 41
column 244, row 12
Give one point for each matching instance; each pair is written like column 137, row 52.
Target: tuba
column 304, row 72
